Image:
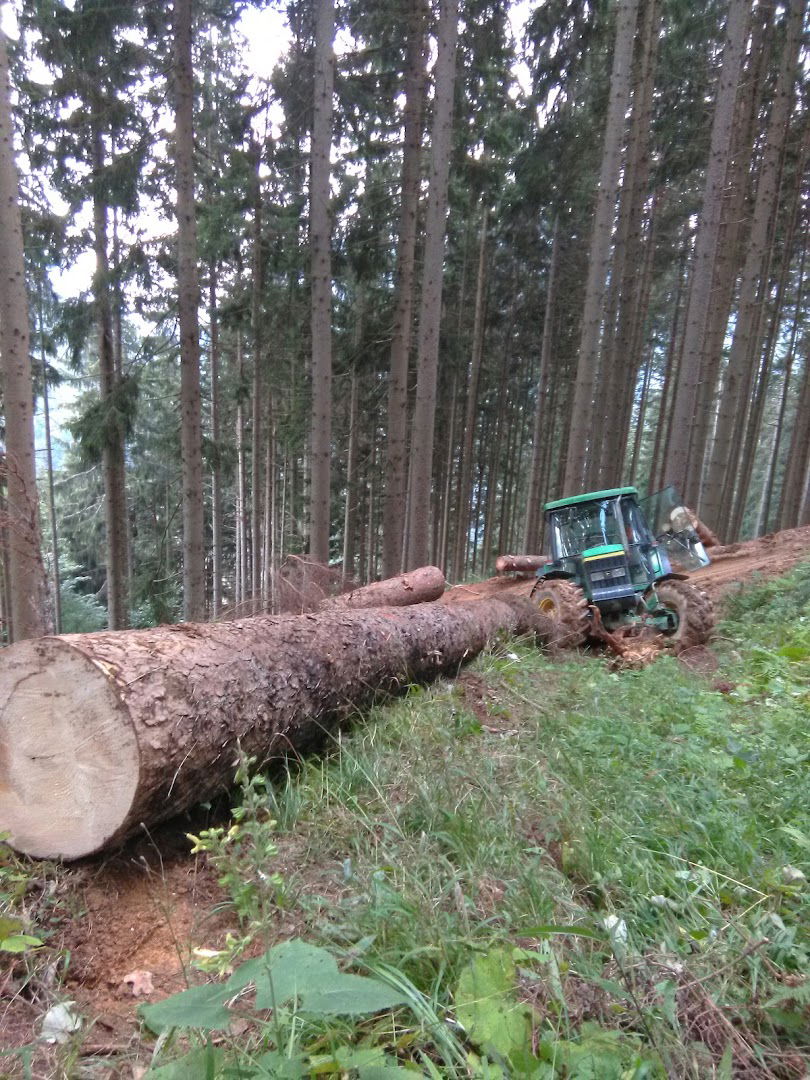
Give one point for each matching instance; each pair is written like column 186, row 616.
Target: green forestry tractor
column 611, row 572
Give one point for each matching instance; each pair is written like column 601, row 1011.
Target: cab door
column 671, row 524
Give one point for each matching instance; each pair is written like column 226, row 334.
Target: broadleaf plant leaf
column 487, row 1007
column 200, row 1007
column 288, row 970
column 18, row 943
column 350, row 995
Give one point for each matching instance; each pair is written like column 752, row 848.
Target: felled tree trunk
column 418, row 587
column 705, row 534
column 102, row 732
column 519, row 564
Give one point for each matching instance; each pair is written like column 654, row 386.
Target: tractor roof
column 591, row 496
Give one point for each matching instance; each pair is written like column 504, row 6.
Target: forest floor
column 146, row 922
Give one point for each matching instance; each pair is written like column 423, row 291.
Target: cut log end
column 69, row 765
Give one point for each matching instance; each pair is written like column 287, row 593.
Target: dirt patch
column 741, row 564
column 124, row 934
column 141, row 918
column 699, row 659
column 479, row 697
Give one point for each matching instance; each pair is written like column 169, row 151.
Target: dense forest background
column 447, row 263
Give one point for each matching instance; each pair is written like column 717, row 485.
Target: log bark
column 519, row 564
column 418, row 587
column 705, row 534
column 102, row 732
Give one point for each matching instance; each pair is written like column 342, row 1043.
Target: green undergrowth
column 558, row 870
column 541, row 869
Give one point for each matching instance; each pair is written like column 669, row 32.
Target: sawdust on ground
column 127, row 930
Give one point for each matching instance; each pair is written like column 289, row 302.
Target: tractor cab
column 604, row 543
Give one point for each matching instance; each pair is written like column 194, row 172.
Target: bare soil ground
column 769, row 556
column 137, row 916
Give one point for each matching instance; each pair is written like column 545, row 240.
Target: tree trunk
column 113, row 463
column 269, row 562
column 456, row 511
column 216, row 467
column 320, row 241
column 746, row 345
column 466, row 454
column 370, row 569
column 141, row 725
column 642, row 417
column 28, row 583
column 256, row 440
column 786, row 383
column 395, row 496
column 638, row 245
column 495, row 444
column 734, row 216
column 637, row 331
column 430, row 310
column 444, row 531
column 350, row 508
column 542, row 414
column 418, row 587
column 581, row 438
column 517, row 441
column 240, row 592
column 188, row 299
column 46, row 416
column 7, row 624
column 738, row 497
column 793, row 486
column 663, row 420
column 700, row 295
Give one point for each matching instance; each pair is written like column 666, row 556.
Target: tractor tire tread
column 695, row 612
column 570, row 611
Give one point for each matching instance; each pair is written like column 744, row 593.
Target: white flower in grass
column 617, row 928
column 60, row 1022
column 792, row 875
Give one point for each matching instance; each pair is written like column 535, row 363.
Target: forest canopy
column 449, row 261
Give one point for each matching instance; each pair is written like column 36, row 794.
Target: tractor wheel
column 565, row 605
column 693, row 610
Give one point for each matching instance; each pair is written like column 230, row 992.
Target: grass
column 565, row 871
